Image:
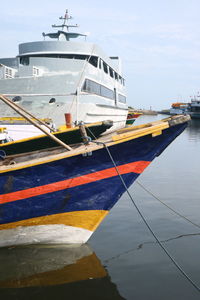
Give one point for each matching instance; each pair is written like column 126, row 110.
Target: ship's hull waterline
column 63, row 198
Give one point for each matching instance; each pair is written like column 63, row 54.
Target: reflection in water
column 53, row 272
column 193, row 130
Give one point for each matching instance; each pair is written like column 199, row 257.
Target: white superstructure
column 52, row 77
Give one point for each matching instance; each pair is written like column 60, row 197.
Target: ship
column 64, row 74
column 178, row 108
column 61, row 196
column 194, row 107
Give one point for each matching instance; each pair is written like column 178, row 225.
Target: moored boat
column 63, row 197
column 42, row 141
column 178, row 108
column 132, row 116
column 194, row 107
column 61, row 75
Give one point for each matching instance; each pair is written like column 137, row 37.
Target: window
column 91, row 87
column 16, row 99
column 24, row 60
column 105, row 92
column 121, row 98
column 116, row 76
column 105, row 67
column 93, row 61
column 111, row 72
column 36, row 71
column 52, row 100
column 100, row 64
column 98, row 89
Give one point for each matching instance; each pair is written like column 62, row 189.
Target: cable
column 148, row 226
column 177, row 213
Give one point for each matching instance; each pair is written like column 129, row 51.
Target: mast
column 64, row 32
column 65, row 19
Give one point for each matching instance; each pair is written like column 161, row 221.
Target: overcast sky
column 157, row 40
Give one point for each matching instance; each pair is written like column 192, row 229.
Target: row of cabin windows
column 93, row 60
column 99, row 89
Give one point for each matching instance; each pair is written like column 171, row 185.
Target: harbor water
column 122, row 259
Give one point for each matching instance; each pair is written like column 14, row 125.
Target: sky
column 157, row 41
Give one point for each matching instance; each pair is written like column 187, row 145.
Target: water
column 122, row 260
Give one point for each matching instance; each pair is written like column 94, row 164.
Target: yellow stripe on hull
column 88, row 219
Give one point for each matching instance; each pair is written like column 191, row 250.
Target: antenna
column 65, row 19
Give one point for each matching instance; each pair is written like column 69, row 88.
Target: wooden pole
column 28, row 113
column 18, row 110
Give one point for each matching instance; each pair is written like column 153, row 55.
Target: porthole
column 52, row 100
column 16, row 99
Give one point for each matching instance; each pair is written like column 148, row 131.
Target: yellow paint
column 145, row 129
column 156, row 133
column 87, row 219
column 140, row 132
column 12, row 120
column 2, row 129
column 85, row 268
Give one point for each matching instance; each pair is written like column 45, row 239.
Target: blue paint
column 99, row 195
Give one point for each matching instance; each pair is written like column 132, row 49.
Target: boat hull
column 64, row 200
column 41, row 142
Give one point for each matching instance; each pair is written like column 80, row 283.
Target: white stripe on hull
column 44, row 234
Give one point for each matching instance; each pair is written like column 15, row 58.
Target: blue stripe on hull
column 100, row 195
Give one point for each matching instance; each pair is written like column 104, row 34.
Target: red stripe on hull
column 135, row 167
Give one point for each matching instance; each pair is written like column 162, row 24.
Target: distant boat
column 132, row 116
column 194, row 107
column 178, row 108
column 61, row 196
column 191, row 108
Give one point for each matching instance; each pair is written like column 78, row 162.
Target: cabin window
column 16, row 99
column 98, row 89
column 81, row 57
column 105, row 92
column 121, row 98
column 105, row 67
column 93, row 61
column 111, row 72
column 100, row 64
column 91, row 87
column 52, row 100
column 24, row 60
column 116, row 76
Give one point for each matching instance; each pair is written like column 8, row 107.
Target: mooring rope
column 174, row 211
column 146, row 223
